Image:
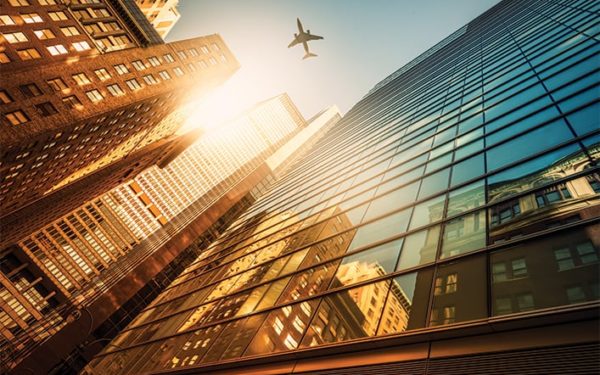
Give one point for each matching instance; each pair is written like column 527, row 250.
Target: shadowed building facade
column 456, row 207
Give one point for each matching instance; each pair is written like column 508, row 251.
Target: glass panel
column 234, row 337
column 434, row 183
column 347, row 315
column 459, row 291
column 406, row 306
column 419, row 248
column 467, row 170
column 381, row 229
column 464, row 234
column 466, row 198
column 528, row 144
column 392, row 201
column 536, row 172
column 309, row 282
column 428, row 212
column 179, row 351
column 585, row 120
column 369, row 264
column 555, row 205
column 560, row 269
column 283, row 329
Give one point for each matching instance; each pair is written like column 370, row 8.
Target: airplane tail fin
column 309, row 55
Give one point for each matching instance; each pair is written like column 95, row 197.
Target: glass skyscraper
column 447, row 225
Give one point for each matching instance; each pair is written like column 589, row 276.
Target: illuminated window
column 46, row 109
column 182, row 55
column 57, row 84
column 213, row 61
column 121, row 69
column 6, row 20
column 169, row 58
column 31, row 18
column 278, row 325
column 81, row 79
column 193, row 52
column 28, row 54
column 57, row 16
column 81, row 46
column 191, row 67
column 150, row 80
column 215, row 47
column 18, row 3
column 4, row 58
column 115, row 90
column 5, row 98
column 178, row 71
column 446, row 284
column 17, row 117
column 58, row 49
column 94, row 95
column 44, row 34
column 138, row 65
column 290, row 342
column 133, row 84
column 204, row 49
column 17, row 37
column 69, row 30
column 102, row 74
column 164, row 75
column 47, row 2
column 154, row 61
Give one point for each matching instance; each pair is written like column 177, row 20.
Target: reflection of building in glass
column 469, row 179
column 111, row 256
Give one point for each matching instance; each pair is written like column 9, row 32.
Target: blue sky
column 365, row 40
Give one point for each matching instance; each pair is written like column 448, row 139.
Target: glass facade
column 463, row 188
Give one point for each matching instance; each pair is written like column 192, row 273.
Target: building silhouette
column 463, row 188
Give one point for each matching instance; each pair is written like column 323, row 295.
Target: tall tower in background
column 91, row 270
column 162, row 14
column 448, row 224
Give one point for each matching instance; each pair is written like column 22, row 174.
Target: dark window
column 46, row 109
column 30, row 90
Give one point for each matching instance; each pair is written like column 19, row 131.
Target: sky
column 364, row 41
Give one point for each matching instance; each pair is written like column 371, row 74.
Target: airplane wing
column 294, row 42
column 313, row 37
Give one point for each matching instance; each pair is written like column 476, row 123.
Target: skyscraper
column 447, row 225
column 86, row 94
column 92, row 269
column 162, row 14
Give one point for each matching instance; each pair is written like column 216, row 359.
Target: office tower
column 91, row 270
column 162, row 14
column 87, row 94
column 463, row 188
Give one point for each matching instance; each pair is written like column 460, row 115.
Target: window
column 212, row 61
column 17, row 37
column 4, row 58
column 150, row 80
column 57, row 84
column 47, row 2
column 81, row 46
column 81, row 79
column 164, row 75
column 31, row 18
column 58, row 49
column 30, row 90
column 18, row 3
column 115, row 90
column 133, row 84
column 191, row 67
column 57, row 16
column 44, row 34
column 17, row 117
column 204, row 49
column 138, row 65
column 215, row 47
column 121, row 69
column 69, row 30
column 6, row 20
column 5, row 98
column 154, row 61
column 46, row 109
column 169, row 58
column 182, row 55
column 94, row 95
column 102, row 74
column 178, row 71
column 446, row 284
column 72, row 102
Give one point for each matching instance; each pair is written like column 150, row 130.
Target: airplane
column 304, row 37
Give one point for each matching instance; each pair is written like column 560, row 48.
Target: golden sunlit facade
column 448, row 224
column 162, row 14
